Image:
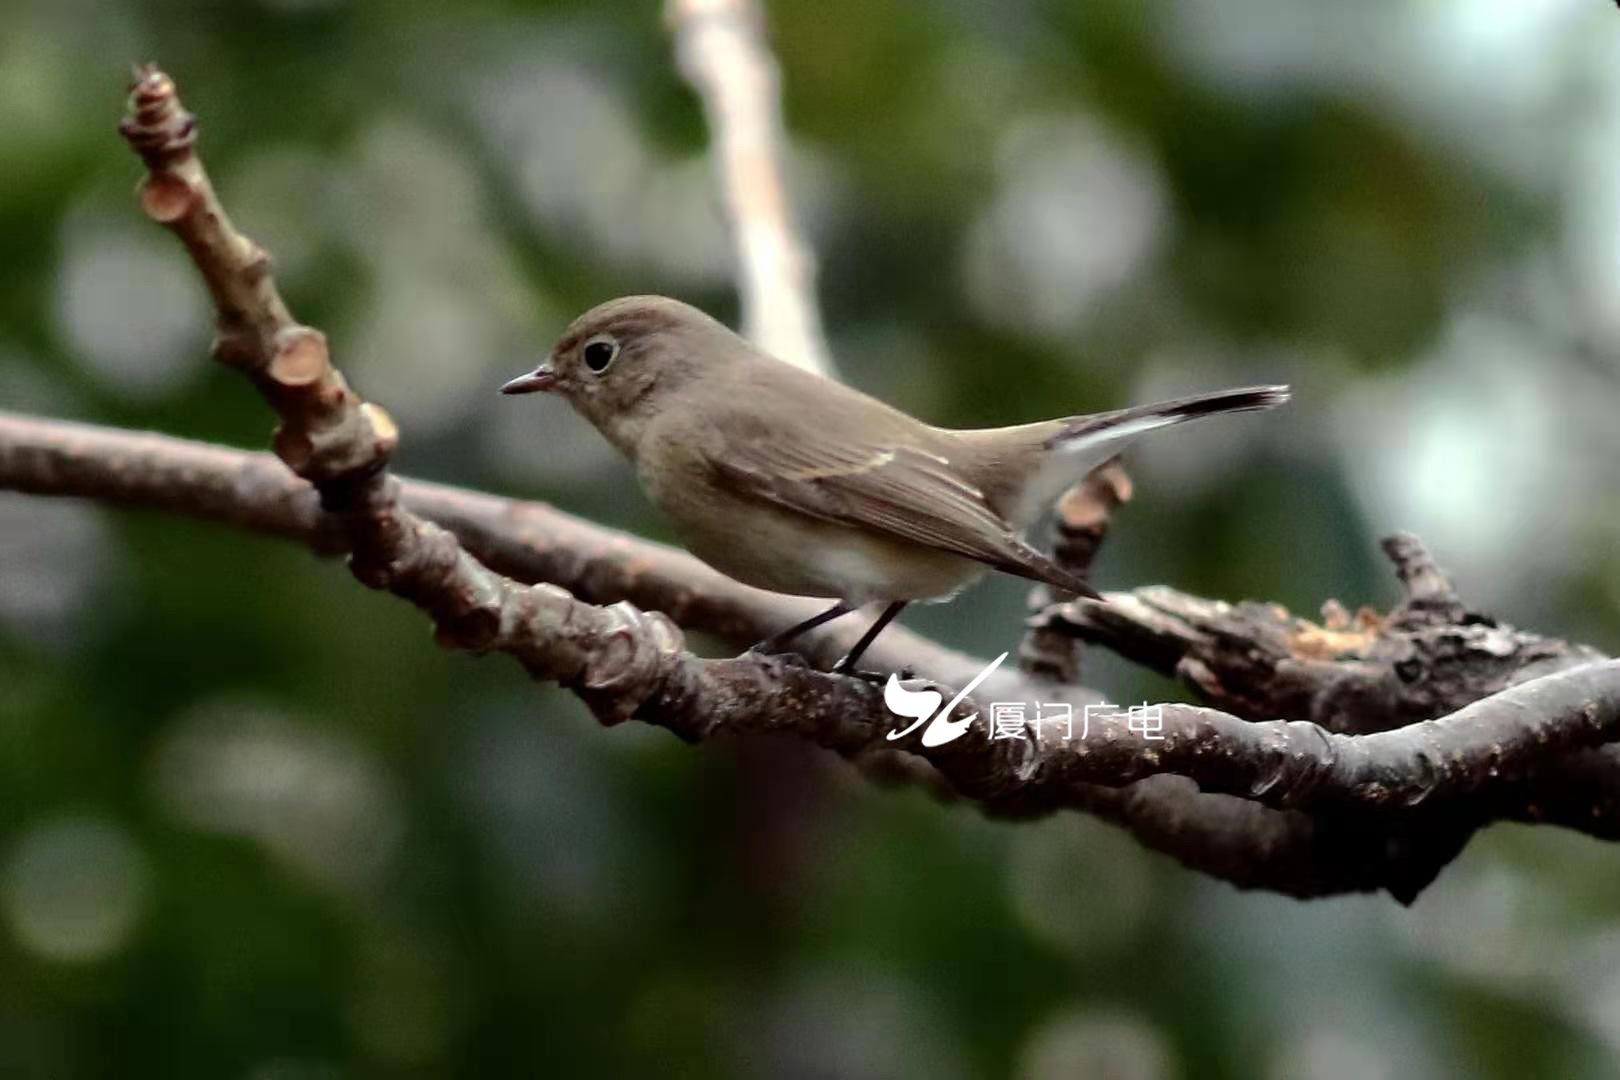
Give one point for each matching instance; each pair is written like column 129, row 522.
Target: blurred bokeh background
column 254, row 824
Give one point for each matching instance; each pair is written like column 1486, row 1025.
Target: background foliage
column 253, row 824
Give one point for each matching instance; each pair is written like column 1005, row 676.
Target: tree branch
column 720, row 48
column 527, row 541
column 1285, row 851
column 1081, row 524
column 1367, row 673
column 1282, row 805
column 1241, row 841
column 1286, row 765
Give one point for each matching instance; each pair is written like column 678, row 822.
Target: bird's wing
column 904, row 491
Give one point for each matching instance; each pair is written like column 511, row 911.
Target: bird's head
column 619, row 363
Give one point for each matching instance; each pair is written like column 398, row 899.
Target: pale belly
column 791, row 553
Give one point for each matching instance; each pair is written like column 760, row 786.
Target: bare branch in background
column 720, row 48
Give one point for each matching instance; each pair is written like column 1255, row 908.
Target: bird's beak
column 541, row 378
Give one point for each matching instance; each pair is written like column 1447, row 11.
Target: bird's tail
column 1113, row 429
column 1058, row 453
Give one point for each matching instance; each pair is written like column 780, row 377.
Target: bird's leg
column 777, row 642
column 846, row 666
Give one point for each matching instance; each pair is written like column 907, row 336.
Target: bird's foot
column 842, row 667
column 876, row 678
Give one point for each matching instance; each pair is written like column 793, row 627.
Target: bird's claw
column 876, row 678
column 842, row 667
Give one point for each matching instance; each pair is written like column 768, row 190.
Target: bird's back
column 998, row 463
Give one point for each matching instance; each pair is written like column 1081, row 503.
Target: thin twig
column 1081, row 524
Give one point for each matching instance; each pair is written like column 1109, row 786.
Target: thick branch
column 720, row 47
column 1429, row 656
column 1366, row 673
column 1298, row 854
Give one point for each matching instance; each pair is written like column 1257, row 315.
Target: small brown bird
column 792, row 482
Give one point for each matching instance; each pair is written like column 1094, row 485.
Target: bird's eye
column 599, row 354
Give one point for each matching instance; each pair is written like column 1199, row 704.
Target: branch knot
column 158, row 127
column 634, row 655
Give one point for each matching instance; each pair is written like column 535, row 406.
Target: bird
column 791, row 481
